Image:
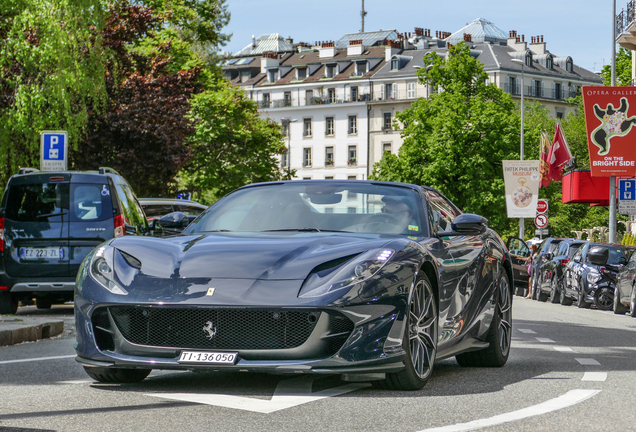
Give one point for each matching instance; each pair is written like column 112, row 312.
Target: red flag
column 544, row 169
column 559, row 154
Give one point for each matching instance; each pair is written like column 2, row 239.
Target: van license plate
column 31, row 253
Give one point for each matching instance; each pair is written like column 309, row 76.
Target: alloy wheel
column 505, row 316
column 422, row 329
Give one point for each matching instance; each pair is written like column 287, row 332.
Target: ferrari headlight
column 593, row 276
column 357, row 270
column 102, row 269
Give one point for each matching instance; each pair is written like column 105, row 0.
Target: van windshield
column 38, row 202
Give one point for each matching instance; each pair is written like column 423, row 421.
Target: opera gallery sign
column 521, row 178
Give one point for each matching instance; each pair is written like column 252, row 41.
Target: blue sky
column 578, row 28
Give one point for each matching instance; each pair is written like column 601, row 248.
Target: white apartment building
column 338, row 100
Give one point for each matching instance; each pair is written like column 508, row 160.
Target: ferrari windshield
column 306, row 206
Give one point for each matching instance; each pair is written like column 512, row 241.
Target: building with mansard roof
column 337, row 100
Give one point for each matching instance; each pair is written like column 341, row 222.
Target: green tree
column 232, row 146
column 51, row 74
column 455, row 141
column 623, row 69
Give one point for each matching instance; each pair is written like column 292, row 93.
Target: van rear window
column 38, row 202
column 91, row 202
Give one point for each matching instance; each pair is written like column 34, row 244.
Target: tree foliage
column 455, row 141
column 232, row 146
column 623, row 69
column 51, row 74
column 142, row 132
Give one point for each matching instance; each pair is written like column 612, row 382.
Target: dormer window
column 395, row 64
column 548, row 62
column 330, row 71
column 301, row 73
column 361, row 68
column 272, row 75
column 528, row 60
column 569, row 66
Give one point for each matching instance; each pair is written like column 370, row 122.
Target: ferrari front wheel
column 499, row 335
column 420, row 340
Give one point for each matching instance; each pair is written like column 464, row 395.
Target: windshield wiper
column 51, row 215
column 304, row 230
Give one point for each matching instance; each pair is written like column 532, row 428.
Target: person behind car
column 534, row 251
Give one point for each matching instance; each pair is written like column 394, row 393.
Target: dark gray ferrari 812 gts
column 370, row 280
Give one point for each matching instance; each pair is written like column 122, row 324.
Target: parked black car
column 50, row 221
column 552, row 270
column 548, row 245
column 157, row 207
column 588, row 282
column 625, row 292
column 375, row 279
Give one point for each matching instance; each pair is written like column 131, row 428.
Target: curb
column 31, row 333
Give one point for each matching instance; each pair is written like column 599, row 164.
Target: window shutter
column 394, row 91
column 382, row 92
column 542, row 89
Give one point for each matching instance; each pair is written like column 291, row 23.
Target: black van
column 49, row 221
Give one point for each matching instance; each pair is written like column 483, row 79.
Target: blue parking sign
column 53, row 151
column 627, row 189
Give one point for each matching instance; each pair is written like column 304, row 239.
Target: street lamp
column 287, row 121
column 522, row 63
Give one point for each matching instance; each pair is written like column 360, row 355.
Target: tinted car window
column 132, row 211
column 155, row 210
column 377, row 209
column 190, row 210
column 553, row 246
column 91, row 202
column 562, row 249
column 443, row 211
column 574, row 248
column 38, row 202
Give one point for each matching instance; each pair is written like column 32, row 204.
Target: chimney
column 327, row 50
column 269, row 60
column 253, row 42
column 419, row 31
column 391, row 49
column 355, row 47
column 538, row 46
column 515, row 42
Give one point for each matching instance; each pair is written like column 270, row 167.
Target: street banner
column 610, row 114
column 521, row 180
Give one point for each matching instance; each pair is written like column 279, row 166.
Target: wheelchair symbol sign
column 54, row 151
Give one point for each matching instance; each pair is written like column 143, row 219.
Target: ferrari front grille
column 237, row 329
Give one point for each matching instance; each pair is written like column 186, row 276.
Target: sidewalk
column 18, row 329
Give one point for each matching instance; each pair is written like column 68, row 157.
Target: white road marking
column 587, row 361
column 545, row 340
column 594, row 376
column 563, row 349
column 37, row 359
column 289, row 393
column 79, row 381
column 527, row 331
column 568, row 399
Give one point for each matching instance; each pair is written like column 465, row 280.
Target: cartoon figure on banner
column 522, row 195
column 614, row 122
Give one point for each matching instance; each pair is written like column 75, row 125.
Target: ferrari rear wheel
column 117, row 375
column 499, row 335
column 420, row 340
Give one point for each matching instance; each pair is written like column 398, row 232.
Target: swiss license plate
column 33, row 253
column 208, row 357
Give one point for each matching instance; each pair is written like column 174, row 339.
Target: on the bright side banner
column 610, row 116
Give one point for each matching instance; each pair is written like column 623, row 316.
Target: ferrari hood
column 234, row 256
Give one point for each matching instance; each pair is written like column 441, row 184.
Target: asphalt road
column 570, row 370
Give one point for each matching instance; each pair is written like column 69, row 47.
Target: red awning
column 580, row 187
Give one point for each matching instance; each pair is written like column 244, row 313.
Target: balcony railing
column 513, row 89
column 625, row 18
column 398, row 95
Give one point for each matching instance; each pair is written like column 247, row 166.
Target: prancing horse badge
column 210, row 291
